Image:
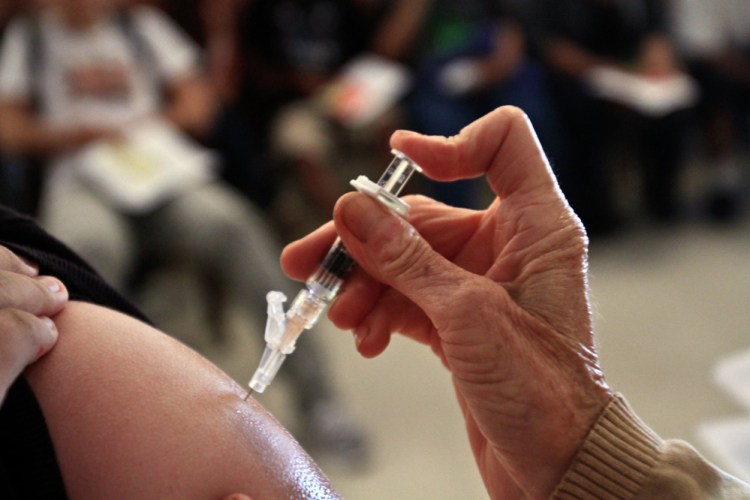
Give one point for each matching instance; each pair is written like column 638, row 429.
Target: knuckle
column 472, row 296
column 11, row 262
column 407, row 259
column 17, row 291
column 577, row 240
column 472, row 305
column 7, row 258
column 8, row 289
column 468, row 293
column 20, row 326
column 22, row 335
column 15, row 319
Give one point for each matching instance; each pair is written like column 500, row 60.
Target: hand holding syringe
column 283, row 329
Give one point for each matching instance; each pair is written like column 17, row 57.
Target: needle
column 249, row 393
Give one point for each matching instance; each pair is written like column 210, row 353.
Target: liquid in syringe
column 283, row 329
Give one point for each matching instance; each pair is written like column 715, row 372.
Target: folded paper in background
column 650, row 96
column 149, row 165
column 728, row 438
column 365, row 88
column 732, row 374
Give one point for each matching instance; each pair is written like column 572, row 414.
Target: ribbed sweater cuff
column 615, row 459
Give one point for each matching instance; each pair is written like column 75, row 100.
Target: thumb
column 24, row 338
column 389, row 249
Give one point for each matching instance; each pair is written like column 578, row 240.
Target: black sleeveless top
column 28, row 466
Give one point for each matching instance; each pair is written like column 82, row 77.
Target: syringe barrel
column 398, row 173
column 329, row 276
column 307, row 307
column 322, row 287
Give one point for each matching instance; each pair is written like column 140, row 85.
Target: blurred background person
column 621, row 41
column 18, row 185
column 468, row 57
column 714, row 40
column 290, row 53
column 234, row 135
column 79, row 80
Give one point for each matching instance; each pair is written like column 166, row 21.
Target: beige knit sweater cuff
column 616, row 458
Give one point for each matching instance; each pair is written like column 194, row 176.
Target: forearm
column 622, row 458
column 223, row 67
column 218, row 19
column 567, row 57
column 23, row 134
column 191, row 106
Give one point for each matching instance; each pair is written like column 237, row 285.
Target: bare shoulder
column 135, row 414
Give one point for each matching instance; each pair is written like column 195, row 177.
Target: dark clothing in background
column 285, row 41
column 461, row 27
column 458, row 32
column 608, row 28
column 601, row 136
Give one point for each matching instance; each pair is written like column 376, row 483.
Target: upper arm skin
column 134, row 414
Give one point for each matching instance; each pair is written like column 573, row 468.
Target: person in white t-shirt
column 73, row 74
column 80, row 76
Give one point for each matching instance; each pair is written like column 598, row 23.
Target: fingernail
column 407, row 133
column 52, row 284
column 50, row 324
column 360, row 334
column 363, row 216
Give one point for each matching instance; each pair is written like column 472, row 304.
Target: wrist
column 561, row 451
column 614, row 459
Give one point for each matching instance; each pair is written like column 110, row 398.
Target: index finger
column 501, row 145
column 9, row 261
column 43, row 295
column 300, row 258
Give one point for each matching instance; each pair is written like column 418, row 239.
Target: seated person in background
column 16, row 183
column 291, row 51
column 131, row 413
column 714, row 40
column 469, row 57
column 81, row 74
column 578, row 39
column 212, row 25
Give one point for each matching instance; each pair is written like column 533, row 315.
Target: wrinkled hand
column 27, row 301
column 500, row 295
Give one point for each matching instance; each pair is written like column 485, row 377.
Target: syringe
column 283, row 329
